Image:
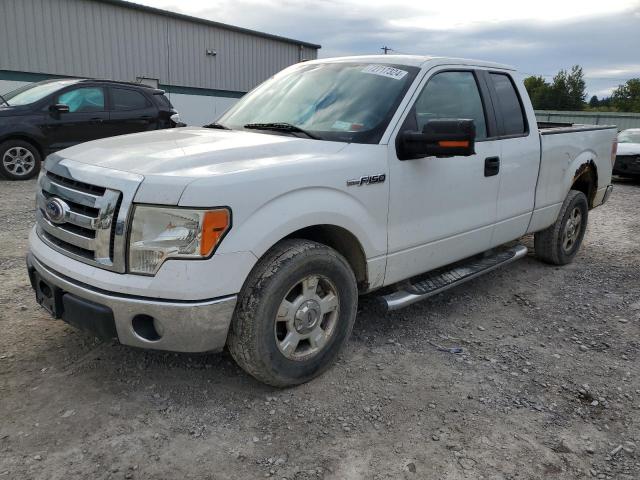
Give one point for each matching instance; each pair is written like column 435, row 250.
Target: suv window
column 509, row 105
column 163, row 101
column 451, row 95
column 85, row 99
column 125, row 99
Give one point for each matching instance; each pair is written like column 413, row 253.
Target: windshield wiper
column 216, row 125
column 4, row 101
column 281, row 127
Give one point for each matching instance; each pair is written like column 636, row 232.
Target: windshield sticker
column 385, row 71
column 346, row 126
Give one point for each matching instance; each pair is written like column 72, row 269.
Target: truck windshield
column 629, row 136
column 346, row 102
column 33, row 92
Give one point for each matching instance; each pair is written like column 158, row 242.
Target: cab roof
column 414, row 61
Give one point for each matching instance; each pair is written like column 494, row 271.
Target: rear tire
column 294, row 313
column 19, row 160
column 560, row 243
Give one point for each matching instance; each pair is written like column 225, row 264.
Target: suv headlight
column 160, row 233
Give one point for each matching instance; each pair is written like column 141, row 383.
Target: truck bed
column 565, row 151
column 552, row 128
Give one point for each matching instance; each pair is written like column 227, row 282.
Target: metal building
column 204, row 66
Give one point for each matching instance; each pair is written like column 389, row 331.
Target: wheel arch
column 25, row 138
column 585, row 180
column 342, row 241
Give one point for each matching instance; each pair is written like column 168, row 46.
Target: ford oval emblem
column 56, row 210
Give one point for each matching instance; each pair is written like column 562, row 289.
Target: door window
column 86, row 99
column 508, row 105
column 451, row 95
column 125, row 99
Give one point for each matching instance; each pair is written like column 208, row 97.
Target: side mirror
column 60, row 108
column 439, row 138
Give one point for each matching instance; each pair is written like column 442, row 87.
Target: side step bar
column 442, row 279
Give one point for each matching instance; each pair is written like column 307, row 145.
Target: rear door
column 131, row 111
column 443, row 209
column 519, row 156
column 85, row 120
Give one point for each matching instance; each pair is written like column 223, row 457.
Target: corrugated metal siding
column 86, row 38
column 619, row 119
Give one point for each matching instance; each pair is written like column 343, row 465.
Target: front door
column 85, row 120
column 442, row 209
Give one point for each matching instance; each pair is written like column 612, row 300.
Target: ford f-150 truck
column 400, row 175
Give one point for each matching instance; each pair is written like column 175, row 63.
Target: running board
column 442, row 279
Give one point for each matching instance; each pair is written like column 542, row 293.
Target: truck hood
column 628, row 149
column 171, row 159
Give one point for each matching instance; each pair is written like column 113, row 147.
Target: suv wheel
column 294, row 314
column 19, row 160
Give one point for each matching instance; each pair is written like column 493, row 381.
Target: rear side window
column 451, row 95
column 125, row 99
column 163, row 101
column 509, row 105
column 87, row 99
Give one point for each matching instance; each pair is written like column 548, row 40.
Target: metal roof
column 189, row 18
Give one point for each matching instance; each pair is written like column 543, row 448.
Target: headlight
column 160, row 233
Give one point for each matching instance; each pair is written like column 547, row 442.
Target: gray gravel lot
column 547, row 386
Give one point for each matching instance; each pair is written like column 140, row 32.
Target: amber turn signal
column 453, row 143
column 215, row 224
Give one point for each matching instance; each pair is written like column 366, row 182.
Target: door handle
column 96, row 119
column 491, row 166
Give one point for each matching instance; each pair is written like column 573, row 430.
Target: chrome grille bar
column 91, row 226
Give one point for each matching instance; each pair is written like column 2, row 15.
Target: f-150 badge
column 367, row 180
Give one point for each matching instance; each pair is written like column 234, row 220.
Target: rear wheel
column 559, row 244
column 294, row 314
column 19, row 160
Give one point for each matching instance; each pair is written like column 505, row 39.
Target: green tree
column 594, row 102
column 568, row 89
column 626, row 98
column 539, row 91
column 565, row 92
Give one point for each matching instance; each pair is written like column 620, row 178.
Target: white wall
column 199, row 110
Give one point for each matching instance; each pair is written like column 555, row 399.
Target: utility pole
column 386, row 49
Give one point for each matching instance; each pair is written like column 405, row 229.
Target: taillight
column 614, row 150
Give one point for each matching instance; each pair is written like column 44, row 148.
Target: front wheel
column 559, row 244
column 294, row 314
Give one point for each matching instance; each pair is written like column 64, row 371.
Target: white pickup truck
column 404, row 175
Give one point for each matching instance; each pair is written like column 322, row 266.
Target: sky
column 538, row 37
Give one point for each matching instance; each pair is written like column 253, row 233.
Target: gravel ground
column 547, row 385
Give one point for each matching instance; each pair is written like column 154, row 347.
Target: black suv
column 43, row 117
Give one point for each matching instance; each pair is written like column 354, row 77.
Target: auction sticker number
column 385, row 71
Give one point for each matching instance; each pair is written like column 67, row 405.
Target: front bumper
column 627, row 165
column 174, row 325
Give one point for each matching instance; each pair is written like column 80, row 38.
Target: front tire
column 19, row 160
column 559, row 244
column 294, row 313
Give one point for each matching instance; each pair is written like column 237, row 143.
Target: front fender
column 306, row 207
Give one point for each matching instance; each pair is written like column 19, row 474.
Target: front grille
column 87, row 230
column 629, row 158
column 75, row 184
